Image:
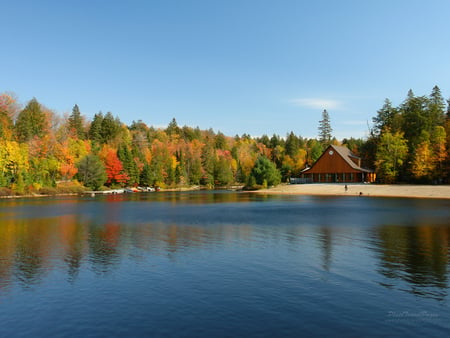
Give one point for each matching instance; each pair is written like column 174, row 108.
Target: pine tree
column 110, row 127
column 436, row 107
column 76, row 123
column 31, row 122
column 325, row 129
column 129, row 164
column 95, row 128
column 291, row 145
column 173, row 128
column 146, row 177
column 387, row 118
column 91, row 172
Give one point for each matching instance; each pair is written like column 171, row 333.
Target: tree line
column 41, row 150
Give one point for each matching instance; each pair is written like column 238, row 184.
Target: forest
column 42, row 152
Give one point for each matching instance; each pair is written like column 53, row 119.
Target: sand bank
column 417, row 191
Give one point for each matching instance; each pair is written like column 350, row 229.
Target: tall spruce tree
column 387, row 119
column 325, row 129
column 95, row 128
column 129, row 164
column 110, row 127
column 436, row 108
column 76, row 127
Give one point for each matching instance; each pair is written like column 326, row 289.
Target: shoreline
column 373, row 190
column 316, row 189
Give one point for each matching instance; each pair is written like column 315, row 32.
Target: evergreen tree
column 110, row 127
column 173, row 128
column 76, row 126
column 291, row 145
column 265, row 172
column 275, row 140
column 91, row 172
column 146, row 177
column 31, row 122
column 325, row 129
column 220, row 141
column 387, row 118
column 207, row 158
column 129, row 164
column 95, row 128
column 436, row 108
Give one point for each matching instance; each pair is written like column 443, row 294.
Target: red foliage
column 114, row 168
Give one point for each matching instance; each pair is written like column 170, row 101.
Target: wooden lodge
column 337, row 164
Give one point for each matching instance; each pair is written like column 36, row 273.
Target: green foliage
column 325, row 129
column 220, row 141
column 31, row 122
column 110, row 127
column 147, row 178
column 387, row 118
column 95, row 128
column 129, row 164
column 91, row 172
column 265, row 171
column 223, row 175
column 407, row 143
column 172, row 128
column 421, row 121
column 315, row 151
column 292, row 145
column 391, row 153
column 76, row 125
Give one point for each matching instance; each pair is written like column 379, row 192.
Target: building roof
column 346, row 155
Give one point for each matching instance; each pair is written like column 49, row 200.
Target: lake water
column 224, row 264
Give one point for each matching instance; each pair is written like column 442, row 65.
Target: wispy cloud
column 317, row 103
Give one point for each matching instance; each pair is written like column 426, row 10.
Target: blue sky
column 247, row 66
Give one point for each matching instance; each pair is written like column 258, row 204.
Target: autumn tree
column 14, row 162
column 422, row 164
column 8, row 110
column 439, row 152
column 115, row 173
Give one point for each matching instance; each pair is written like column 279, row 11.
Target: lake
column 224, row 264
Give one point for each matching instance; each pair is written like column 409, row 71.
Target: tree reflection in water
column 410, row 258
column 417, row 255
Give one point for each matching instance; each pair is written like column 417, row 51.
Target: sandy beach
column 417, row 191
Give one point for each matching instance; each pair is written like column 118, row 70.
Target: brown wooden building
column 337, row 164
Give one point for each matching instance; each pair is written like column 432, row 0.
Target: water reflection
column 418, row 256
column 100, row 234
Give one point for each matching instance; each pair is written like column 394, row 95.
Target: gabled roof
column 346, row 155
